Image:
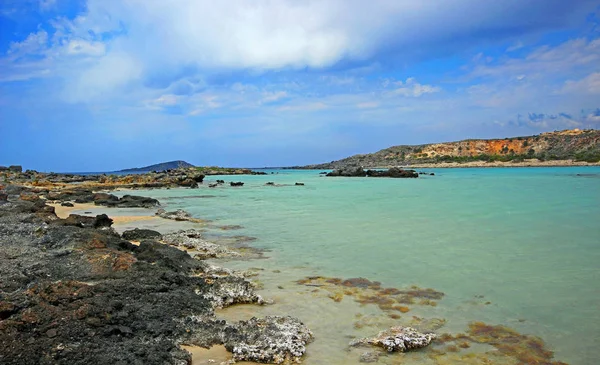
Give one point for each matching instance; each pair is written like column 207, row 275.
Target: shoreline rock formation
column 73, row 291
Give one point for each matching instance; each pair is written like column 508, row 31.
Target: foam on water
column 526, row 241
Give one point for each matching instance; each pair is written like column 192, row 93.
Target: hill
column 160, row 166
column 575, row 145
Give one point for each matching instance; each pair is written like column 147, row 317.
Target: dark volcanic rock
column 67, row 204
column 83, row 221
column 129, row 201
column 138, row 234
column 393, row 172
column 71, row 294
column 352, row 171
column 239, row 183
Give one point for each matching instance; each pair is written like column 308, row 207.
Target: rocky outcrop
column 578, row 145
column 177, row 215
column 393, row 172
column 351, row 171
column 192, row 240
column 128, row 201
column 359, row 172
column 67, row 286
column 82, row 221
column 138, row 234
column 269, row 340
column 399, row 339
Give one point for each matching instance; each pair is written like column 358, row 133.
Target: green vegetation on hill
column 559, row 145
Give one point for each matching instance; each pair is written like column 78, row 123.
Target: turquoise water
column 526, row 239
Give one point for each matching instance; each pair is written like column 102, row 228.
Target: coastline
column 85, row 265
column 364, row 307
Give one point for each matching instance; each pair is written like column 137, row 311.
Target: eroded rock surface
column 399, row 339
column 74, row 294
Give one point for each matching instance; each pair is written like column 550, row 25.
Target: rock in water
column 400, row 339
column 178, row 215
column 348, row 172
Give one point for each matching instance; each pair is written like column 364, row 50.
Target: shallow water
column 526, row 241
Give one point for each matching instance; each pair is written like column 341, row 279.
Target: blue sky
column 97, row 85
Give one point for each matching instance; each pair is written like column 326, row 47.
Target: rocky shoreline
column 74, row 291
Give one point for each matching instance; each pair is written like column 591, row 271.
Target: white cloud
column 83, row 47
column 411, row 88
column 589, row 85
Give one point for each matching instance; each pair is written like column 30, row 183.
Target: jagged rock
column 224, row 291
column 220, row 181
column 193, row 240
column 299, row 184
column 178, row 215
column 15, row 168
column 348, row 172
column 271, row 339
column 99, row 221
column 138, row 234
column 239, row 183
column 3, row 197
column 213, row 185
column 67, row 204
column 397, row 339
column 270, row 183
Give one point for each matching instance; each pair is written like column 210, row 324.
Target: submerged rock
column 239, row 183
column 399, row 339
column 178, row 215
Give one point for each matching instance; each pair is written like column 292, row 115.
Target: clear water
column 526, row 239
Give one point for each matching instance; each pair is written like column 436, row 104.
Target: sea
column 512, row 256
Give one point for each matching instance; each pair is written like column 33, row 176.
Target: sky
column 102, row 85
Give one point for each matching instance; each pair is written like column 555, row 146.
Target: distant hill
column 160, row 167
column 578, row 145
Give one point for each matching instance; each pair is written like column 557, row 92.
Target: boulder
column 178, row 215
column 83, row 221
column 239, row 183
column 348, row 172
column 393, row 172
column 134, row 201
column 299, row 184
column 138, row 234
column 66, row 204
